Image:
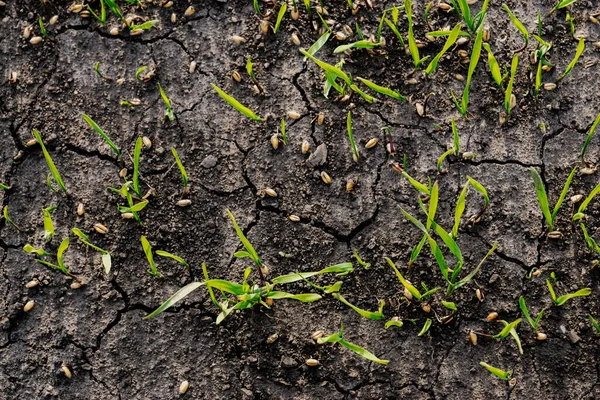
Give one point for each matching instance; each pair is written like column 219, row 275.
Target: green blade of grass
column 139, row 72
column 460, row 209
column 542, row 197
column 586, row 202
column 472, row 274
column 494, row 66
column 148, row 251
column 340, row 269
column 506, row 330
column 351, row 137
column 284, row 131
column 137, row 151
column 412, row 44
column 7, row 218
column 465, row 11
column 525, row 311
column 472, row 65
column 167, row 102
column 172, row 256
column 594, row 324
column 449, row 42
column 449, row 305
column 425, row 328
column 508, row 94
column 360, row 261
column 30, row 249
column 64, row 245
column 50, row 163
column 504, row 375
column 237, row 105
column 517, row 25
column 393, row 322
column 479, row 187
column 101, row 133
column 381, row 89
column 178, row 296
column 580, row 293
column 440, row 160
column 328, row 68
column 375, row 316
column 416, row 184
column 433, row 203
column 48, row 224
column 456, row 139
column 589, row 137
column 43, row 28
column 280, row 15
column 363, row 352
column 146, row 25
column 318, row 44
column 413, row 290
column 394, row 29
column 135, row 208
column 563, row 194
column 304, row 297
column 245, row 242
column 361, row 44
column 184, row 176
column 580, row 49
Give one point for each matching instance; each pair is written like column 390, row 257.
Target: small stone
column 209, row 162
column 494, row 278
column 573, row 336
column 318, row 157
column 288, row 362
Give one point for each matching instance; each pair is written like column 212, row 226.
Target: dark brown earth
column 99, row 332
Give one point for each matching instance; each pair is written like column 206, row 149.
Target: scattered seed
column 350, row 185
column 75, row 285
column 295, row 13
column 30, row 142
column 321, row 118
column 53, row 20
column 412, row 81
column 473, row 337
column 588, row 170
column 305, row 146
column 345, row 98
column 273, row 338
column 541, row 336
column 135, row 102
column 321, row 10
column 461, row 41
column 269, row 301
column 486, row 35
column 445, row 7
column 264, row 27
column 325, row 177
column 100, row 228
column 80, row 209
column 294, row 218
column 463, row 53
column 371, row 143
column 293, row 114
column 311, row 362
column 468, row 155
column 238, row 39
column 29, row 305
column 66, row 370
column 136, row 32
column 84, row 14
column 459, row 77
column 479, row 294
column 597, row 45
column 36, row 40
column 123, row 173
column 76, row 8
column 173, row 18
column 27, row 32
column 340, row 36
column 18, row 157
column 546, row 68
column 168, row 4
column 275, row 141
column 492, row 316
column 554, row 235
column 193, row 67
column 184, row 203
column 185, row 385
column 270, row 192
column 408, row 294
column 295, row 39
column 537, row 273
column 32, row 283
column 576, row 199
column 114, row 31
column 127, row 215
column 593, row 19
column 420, row 109
column 189, row 11
column 316, row 335
column 236, row 76
column 426, row 307
column 549, row 86
column 502, row 118
column 264, row 269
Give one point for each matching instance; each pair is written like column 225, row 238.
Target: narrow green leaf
column 381, row 89
column 449, row 42
column 137, row 151
column 178, row 296
column 586, row 202
column 412, row 44
column 245, row 242
column 594, row 324
column 48, row 224
column 580, row 293
column 64, row 245
column 101, row 133
column 237, row 105
column 517, row 25
column 135, row 208
column 7, row 218
column 50, row 163
column 340, row 269
column 163, row 95
column 460, row 209
column 305, row 298
column 361, row 44
column 515, row 335
column 542, row 197
column 497, row 371
column 393, row 28
column 351, row 137
column 589, row 137
column 172, row 256
column 563, row 194
column 479, row 187
column 184, row 176
column 508, row 94
column 413, row 290
column 393, row 322
column 449, row 305
column 363, row 352
column 476, row 52
column 506, row 330
column 494, row 66
column 318, row 44
column 442, row 158
column 139, row 72
column 280, row 15
column 148, row 251
column 580, row 49
column 425, row 328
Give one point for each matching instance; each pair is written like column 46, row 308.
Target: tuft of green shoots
column 48, row 225
column 360, row 261
column 408, row 286
column 339, row 338
column 425, row 328
column 50, row 163
column 7, row 218
column 473, row 23
column 591, row 243
column 412, row 43
column 280, row 15
column 375, row 316
column 169, row 111
column 594, row 324
column 532, row 322
column 60, row 266
column 138, row 73
column 504, row 375
column 561, row 4
column 237, row 105
column 381, row 89
column 519, row 26
column 393, row 27
column 559, row 301
column 589, row 138
column 95, row 126
column 184, row 176
column 507, row 329
column 137, row 151
column 148, row 251
column 509, row 88
column 494, row 66
column 30, row 249
column 361, row 44
column 43, row 29
column 115, row 9
column 102, row 17
column 284, row 131
column 580, row 49
column 462, row 106
column 543, row 198
column 449, row 42
column 460, row 204
column 355, row 154
column 106, row 257
column 173, row 257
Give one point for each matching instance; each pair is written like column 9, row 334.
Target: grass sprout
column 237, row 105
column 561, row 4
column 115, row 9
column 508, row 327
column 30, row 249
column 5, row 187
column 508, row 104
column 412, row 44
column 360, row 261
column 394, row 29
column 519, row 26
column 559, row 301
column 375, row 316
column 394, row 322
column 543, row 198
column 48, row 224
column 312, row 50
column 504, row 375
column 7, row 218
column 381, row 89
column 184, row 176
column 361, row 44
column 60, row 266
column 137, row 151
column 145, row 25
column 50, row 163
column 106, row 256
column 95, row 126
column 102, row 17
column 408, row 286
column 453, row 150
column 460, row 204
column 585, row 203
column 138, row 73
column 284, row 131
column 589, row 138
column 473, row 23
column 464, row 103
column 425, row 328
column 580, row 49
column 355, row 154
column 169, row 111
column 148, row 251
column 250, row 252
column 449, row 42
column 339, row 269
column 532, row 322
column 173, row 257
column 339, row 338
column 43, row 29
column 594, row 324
column 494, row 66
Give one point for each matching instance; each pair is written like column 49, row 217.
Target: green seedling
column 106, row 257
column 97, row 71
column 30, row 249
column 50, row 163
column 355, row 154
column 594, row 324
column 102, row 134
column 426, row 12
column 433, row 203
column 412, row 43
column 543, row 198
column 307, row 6
column 519, row 26
column 508, row 327
column 102, row 17
column 173, row 257
column 359, row 32
column 7, row 218
column 375, row 316
column 338, row 338
column 533, row 323
column 124, row 191
column 591, row 243
column 425, row 328
column 138, row 73
column 393, row 28
column 416, row 294
column 394, row 322
column 381, row 89
column 48, row 225
column 449, row 305
column 43, row 29
column 589, row 138
column 416, row 184
column 134, row 208
column 463, row 9
column 460, row 204
column 508, row 103
column 571, row 20
column 319, row 43
column 515, row 335
column 453, row 150
column 561, row 4
column 250, row 252
column 284, row 131
column 494, row 66
column 5, row 187
column 361, row 44
column 583, row 206
column 145, row 26
column 580, row 49
column 543, row 48
column 237, row 105
column 362, row 263
column 169, row 112
column 504, row 375
column 250, row 71
column 330, row 81
column 462, row 106
column 338, row 269
column 449, row 42
column 137, row 151
column 60, row 266
column 559, row 301
column 184, row 176
column 115, row 9
column 148, row 251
